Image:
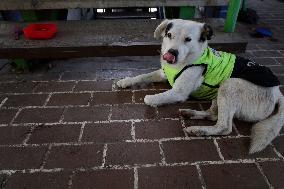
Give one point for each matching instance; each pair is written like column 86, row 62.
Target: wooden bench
column 103, row 37
column 71, row 4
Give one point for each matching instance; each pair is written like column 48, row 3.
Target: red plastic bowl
column 40, row 31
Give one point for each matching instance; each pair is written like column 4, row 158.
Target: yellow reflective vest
column 218, row 67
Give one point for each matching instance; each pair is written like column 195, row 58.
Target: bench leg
column 244, row 5
column 29, row 16
column 232, row 15
column 20, row 65
column 187, row 12
column 54, row 15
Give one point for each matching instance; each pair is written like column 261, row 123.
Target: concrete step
column 127, row 37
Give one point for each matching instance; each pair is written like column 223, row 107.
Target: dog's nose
column 173, row 52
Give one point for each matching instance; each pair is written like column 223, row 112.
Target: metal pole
column 232, row 15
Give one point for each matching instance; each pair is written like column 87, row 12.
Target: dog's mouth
column 170, row 58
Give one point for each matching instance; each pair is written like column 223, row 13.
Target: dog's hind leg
column 210, row 114
column 225, row 115
column 194, row 114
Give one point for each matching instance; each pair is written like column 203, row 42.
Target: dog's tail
column 266, row 130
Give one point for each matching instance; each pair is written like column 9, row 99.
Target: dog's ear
column 165, row 25
column 206, row 33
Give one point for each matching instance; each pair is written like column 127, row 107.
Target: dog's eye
column 187, row 39
column 169, row 35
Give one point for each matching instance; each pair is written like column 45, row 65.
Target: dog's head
column 182, row 39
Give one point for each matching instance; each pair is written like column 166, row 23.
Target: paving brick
column 139, row 95
column 158, row 129
column 107, row 132
column 38, row 180
column 94, row 86
column 251, row 46
column 6, row 116
column 280, row 60
column 54, row 86
column 270, row 53
column 104, row 179
column 139, row 62
column 87, row 114
column 233, row 176
column 21, row 157
column 48, row 76
column 65, row 99
column 110, row 63
column 279, row 69
column 168, row 177
column 26, row 100
column 271, row 46
column 28, row 77
column 162, row 85
column 190, row 151
column 266, row 61
column 274, row 172
column 133, row 111
column 172, row 110
column 239, row 149
column 243, row 127
column 75, row 156
column 8, row 77
column 13, row 135
column 273, row 22
column 23, row 87
column 281, row 79
column 119, row 97
column 55, row 134
column 78, row 76
column 133, row 153
column 278, row 143
column 39, row 115
column 247, row 54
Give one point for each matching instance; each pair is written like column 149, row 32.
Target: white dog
column 237, row 87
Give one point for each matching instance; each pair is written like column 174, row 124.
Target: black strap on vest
column 203, row 73
column 211, row 86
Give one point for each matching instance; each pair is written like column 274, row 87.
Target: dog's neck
column 191, row 58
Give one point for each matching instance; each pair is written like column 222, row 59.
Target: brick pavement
column 103, row 136
column 71, row 127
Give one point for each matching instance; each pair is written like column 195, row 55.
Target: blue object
column 223, row 11
column 264, row 32
column 12, row 15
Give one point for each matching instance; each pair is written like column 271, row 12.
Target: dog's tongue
column 169, row 57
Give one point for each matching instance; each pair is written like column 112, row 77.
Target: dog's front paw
column 126, row 82
column 151, row 100
column 195, row 130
